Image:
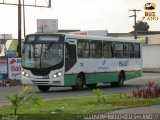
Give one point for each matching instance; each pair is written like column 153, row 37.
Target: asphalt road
column 62, row 92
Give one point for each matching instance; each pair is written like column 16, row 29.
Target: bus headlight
column 55, row 75
column 25, row 74
column 58, row 74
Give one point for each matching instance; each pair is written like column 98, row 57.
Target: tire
column 43, row 88
column 79, row 82
column 120, row 82
column 91, row 85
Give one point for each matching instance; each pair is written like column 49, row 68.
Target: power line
column 19, row 19
column 135, row 25
column 29, row 5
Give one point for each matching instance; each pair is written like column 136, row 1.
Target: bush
column 150, row 90
column 11, row 82
column 22, row 97
column 100, row 95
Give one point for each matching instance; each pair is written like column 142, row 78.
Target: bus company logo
column 149, row 13
column 123, row 63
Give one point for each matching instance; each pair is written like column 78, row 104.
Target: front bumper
column 59, row 81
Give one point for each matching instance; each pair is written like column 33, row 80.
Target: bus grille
column 40, row 73
column 40, row 82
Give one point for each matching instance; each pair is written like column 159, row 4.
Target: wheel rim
column 121, row 80
column 80, row 82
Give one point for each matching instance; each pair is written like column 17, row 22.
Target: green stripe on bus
column 102, row 77
column 133, row 74
column 70, row 79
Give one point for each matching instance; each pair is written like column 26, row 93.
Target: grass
column 61, row 109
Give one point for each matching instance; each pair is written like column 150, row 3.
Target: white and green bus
column 50, row 60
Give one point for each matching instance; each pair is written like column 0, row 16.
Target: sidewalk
column 151, row 70
column 139, row 110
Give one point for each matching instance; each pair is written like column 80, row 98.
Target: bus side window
column 96, row 49
column 107, row 50
column 137, row 50
column 112, row 49
column 129, row 50
column 119, row 52
column 83, row 49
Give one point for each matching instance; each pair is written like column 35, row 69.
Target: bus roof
column 72, row 36
column 86, row 37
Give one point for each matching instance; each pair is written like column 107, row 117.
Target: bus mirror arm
column 70, row 43
column 66, row 43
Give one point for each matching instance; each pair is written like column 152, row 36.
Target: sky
column 111, row 15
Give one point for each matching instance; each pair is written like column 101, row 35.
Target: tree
column 141, row 26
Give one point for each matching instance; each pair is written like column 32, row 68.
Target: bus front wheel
column 43, row 88
column 120, row 82
column 79, row 82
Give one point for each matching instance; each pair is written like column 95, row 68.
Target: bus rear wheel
column 43, row 88
column 120, row 82
column 79, row 82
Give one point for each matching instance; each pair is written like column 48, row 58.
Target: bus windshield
column 42, row 55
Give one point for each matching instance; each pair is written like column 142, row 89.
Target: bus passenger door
column 70, row 56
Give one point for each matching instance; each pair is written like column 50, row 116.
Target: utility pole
column 5, row 49
column 19, row 29
column 20, row 21
column 135, row 25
